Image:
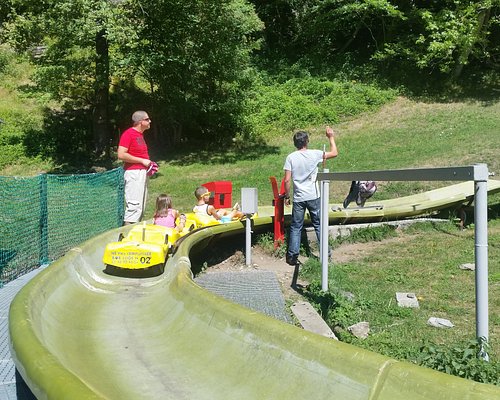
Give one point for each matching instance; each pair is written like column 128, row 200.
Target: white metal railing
column 477, row 173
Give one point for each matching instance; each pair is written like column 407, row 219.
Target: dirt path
column 264, row 262
column 261, row 260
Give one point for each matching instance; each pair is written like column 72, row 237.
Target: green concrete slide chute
column 78, row 333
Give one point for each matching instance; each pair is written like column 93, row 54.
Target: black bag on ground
column 360, row 191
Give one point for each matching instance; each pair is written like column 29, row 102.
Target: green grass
column 424, row 260
column 180, row 178
column 21, row 115
column 364, row 235
column 403, row 133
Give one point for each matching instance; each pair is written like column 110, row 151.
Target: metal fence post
column 481, row 250
column 325, row 199
column 249, row 206
column 44, row 228
column 120, row 206
column 477, row 173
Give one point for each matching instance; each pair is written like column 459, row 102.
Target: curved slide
column 77, row 333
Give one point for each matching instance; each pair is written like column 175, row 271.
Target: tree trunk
column 100, row 115
column 351, row 39
column 484, row 16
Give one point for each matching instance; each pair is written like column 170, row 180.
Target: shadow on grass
column 477, row 82
column 67, row 139
column 186, row 154
column 473, row 85
column 214, row 251
column 324, row 300
column 466, row 214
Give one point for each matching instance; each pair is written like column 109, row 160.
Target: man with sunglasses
column 133, row 151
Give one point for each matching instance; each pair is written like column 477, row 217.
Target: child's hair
column 163, row 204
column 200, row 191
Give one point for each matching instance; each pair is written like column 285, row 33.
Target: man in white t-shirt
column 301, row 168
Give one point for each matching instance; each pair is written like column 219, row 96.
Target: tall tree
column 329, row 28
column 281, row 25
column 74, row 64
column 196, row 55
column 443, row 35
column 193, row 54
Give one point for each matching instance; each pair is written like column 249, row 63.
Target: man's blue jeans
column 298, row 213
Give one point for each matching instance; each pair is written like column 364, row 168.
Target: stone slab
column 311, row 320
column 407, row 300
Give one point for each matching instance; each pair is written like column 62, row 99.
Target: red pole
column 279, row 212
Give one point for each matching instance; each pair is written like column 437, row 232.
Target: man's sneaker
column 291, row 260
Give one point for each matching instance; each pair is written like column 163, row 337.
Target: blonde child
column 202, row 208
column 165, row 215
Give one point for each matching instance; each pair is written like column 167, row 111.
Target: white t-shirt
column 303, row 165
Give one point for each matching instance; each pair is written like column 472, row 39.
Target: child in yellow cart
column 207, row 212
column 166, row 215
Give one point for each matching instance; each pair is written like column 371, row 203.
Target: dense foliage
column 212, row 71
column 307, row 101
column 196, row 55
column 440, row 36
column 186, row 61
column 461, row 360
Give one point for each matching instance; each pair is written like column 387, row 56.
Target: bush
column 307, row 101
column 335, row 308
column 461, row 360
column 266, row 241
column 4, row 59
column 10, row 154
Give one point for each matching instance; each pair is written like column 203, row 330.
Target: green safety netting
column 44, row 216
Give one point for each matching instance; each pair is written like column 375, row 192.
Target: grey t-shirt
column 304, row 167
